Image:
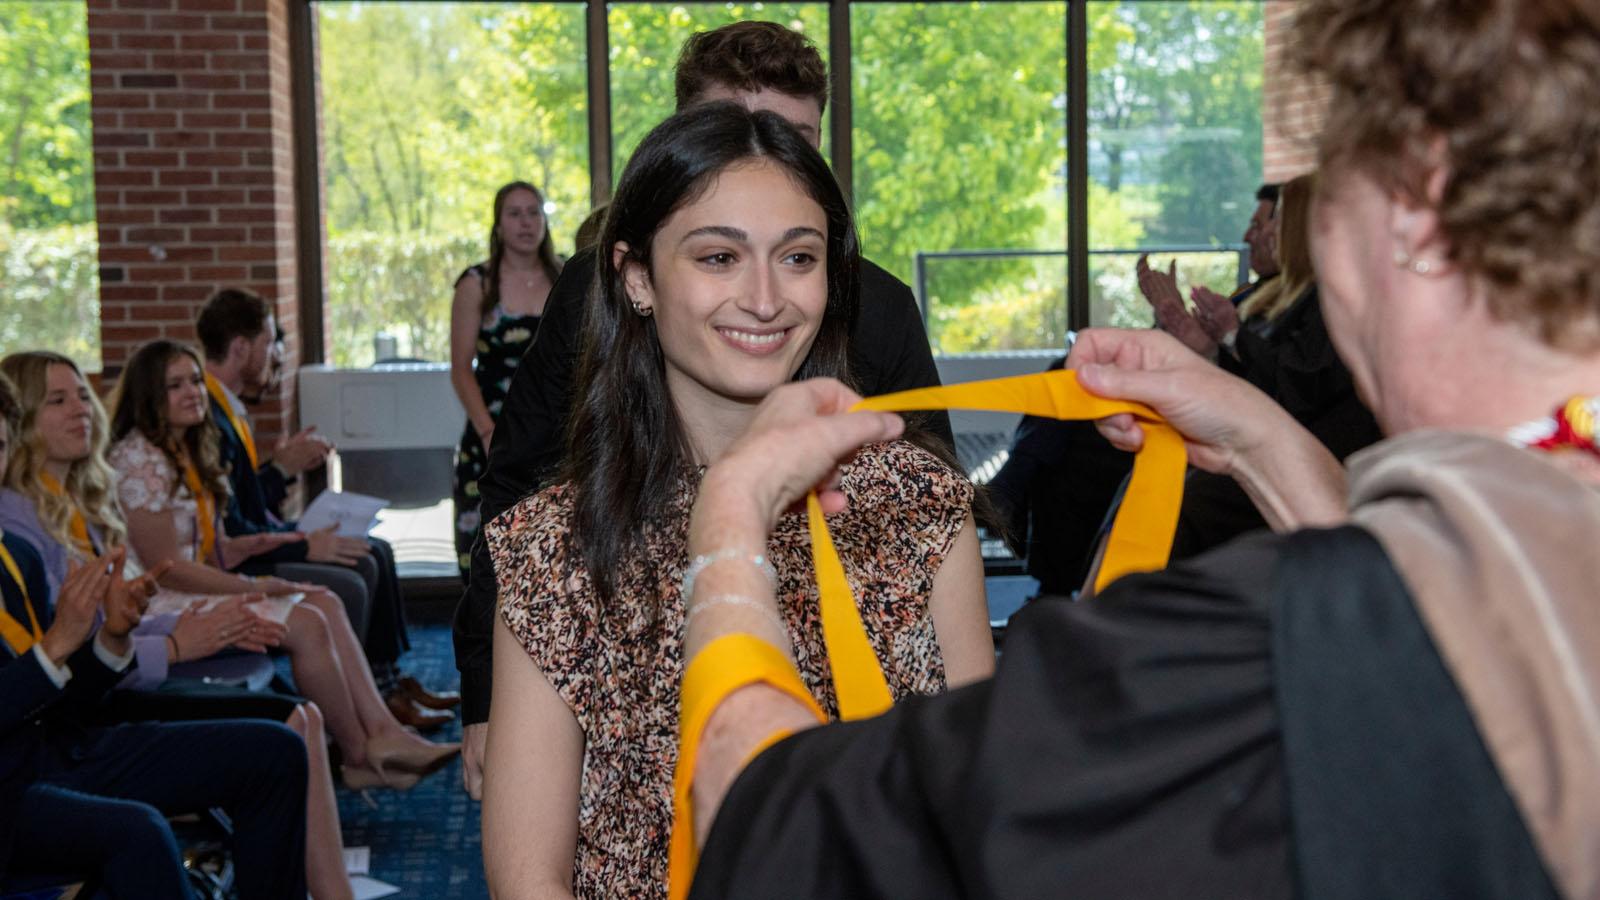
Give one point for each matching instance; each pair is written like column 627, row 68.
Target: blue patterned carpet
column 424, row 841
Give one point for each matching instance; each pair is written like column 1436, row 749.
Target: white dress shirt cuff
column 58, row 675
column 113, row 662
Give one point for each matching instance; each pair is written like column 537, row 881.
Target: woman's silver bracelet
column 707, row 560
column 736, row 600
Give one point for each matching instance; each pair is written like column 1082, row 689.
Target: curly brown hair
column 750, row 56
column 1504, row 95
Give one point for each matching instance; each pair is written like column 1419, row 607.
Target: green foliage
column 958, row 134
column 645, row 40
column 1175, row 104
column 398, row 285
column 51, row 292
column 959, row 116
column 45, row 150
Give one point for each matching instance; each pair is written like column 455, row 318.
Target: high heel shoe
column 401, row 753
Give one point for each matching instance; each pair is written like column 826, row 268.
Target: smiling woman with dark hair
column 732, row 269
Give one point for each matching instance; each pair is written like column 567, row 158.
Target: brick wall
column 1291, row 108
column 193, row 166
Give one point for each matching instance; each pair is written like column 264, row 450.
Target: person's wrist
column 735, row 504
column 57, row 647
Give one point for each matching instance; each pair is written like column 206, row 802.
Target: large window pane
column 427, row 108
column 1174, row 142
column 645, row 40
column 959, row 145
column 49, row 283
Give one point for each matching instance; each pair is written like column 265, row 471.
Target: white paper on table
column 275, row 608
column 354, row 514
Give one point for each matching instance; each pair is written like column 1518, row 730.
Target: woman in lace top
column 734, row 270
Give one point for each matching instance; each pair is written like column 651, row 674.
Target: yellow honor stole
column 77, row 527
column 205, row 511
column 1140, row 541
column 240, row 426
column 18, row 637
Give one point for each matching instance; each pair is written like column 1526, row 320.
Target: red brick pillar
column 193, row 165
column 1291, row 108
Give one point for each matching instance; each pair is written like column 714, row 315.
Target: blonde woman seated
column 59, row 497
column 172, row 490
column 733, row 271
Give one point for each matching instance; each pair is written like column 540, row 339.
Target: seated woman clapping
column 86, row 801
column 733, row 269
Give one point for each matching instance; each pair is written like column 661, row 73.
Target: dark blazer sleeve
column 26, row 692
column 890, row 344
column 528, row 440
column 274, row 487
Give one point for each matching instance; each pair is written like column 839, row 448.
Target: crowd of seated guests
column 242, row 347
column 80, row 798
column 149, row 487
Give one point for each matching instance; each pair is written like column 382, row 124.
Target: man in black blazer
column 240, row 338
column 760, row 65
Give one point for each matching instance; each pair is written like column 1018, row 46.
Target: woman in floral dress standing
column 492, row 321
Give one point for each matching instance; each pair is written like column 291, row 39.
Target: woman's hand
column 263, row 633
column 1221, row 417
column 326, row 545
column 237, row 549
column 799, row 436
column 1228, row 426
column 126, row 600
column 76, row 604
column 201, row 633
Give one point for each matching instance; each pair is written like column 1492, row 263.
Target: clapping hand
column 76, row 604
column 301, row 451
column 1215, row 313
column 127, row 599
column 1161, row 290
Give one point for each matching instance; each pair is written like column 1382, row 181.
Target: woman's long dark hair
column 140, row 402
column 626, row 447
column 497, row 247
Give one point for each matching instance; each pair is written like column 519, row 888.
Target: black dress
column 502, row 340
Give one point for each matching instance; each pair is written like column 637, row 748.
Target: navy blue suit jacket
column 37, row 719
column 256, row 495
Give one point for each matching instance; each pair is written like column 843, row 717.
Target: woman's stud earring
column 1421, row 266
column 642, row 310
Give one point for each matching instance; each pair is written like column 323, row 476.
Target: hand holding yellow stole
column 1140, row 540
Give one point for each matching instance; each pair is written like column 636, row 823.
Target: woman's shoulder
column 530, row 546
column 549, row 510
column 478, row 271
column 19, row 514
column 901, row 472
